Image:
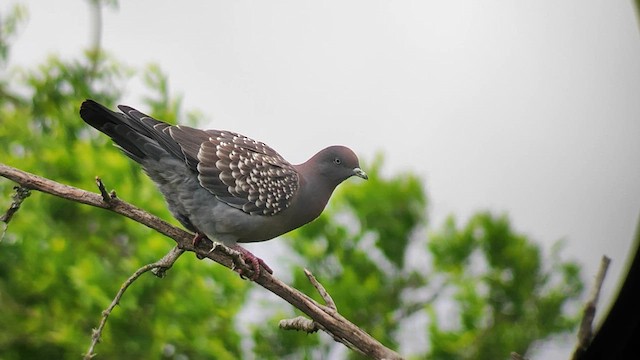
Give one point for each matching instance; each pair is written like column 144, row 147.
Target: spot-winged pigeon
column 224, row 185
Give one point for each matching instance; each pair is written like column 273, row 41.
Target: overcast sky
column 529, row 107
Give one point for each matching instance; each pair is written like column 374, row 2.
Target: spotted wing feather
column 245, row 173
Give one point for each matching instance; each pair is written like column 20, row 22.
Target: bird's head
column 337, row 163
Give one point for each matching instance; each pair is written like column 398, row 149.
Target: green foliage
column 400, row 203
column 506, row 298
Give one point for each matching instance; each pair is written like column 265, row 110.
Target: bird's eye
column 337, row 161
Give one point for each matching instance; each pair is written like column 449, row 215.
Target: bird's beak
column 360, row 173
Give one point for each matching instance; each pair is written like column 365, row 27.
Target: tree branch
column 585, row 334
column 329, row 320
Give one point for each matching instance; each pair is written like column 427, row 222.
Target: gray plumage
column 221, row 184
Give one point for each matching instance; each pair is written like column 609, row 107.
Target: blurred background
column 502, row 139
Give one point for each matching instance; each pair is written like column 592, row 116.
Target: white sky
column 528, row 107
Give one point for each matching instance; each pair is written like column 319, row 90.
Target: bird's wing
column 239, row 171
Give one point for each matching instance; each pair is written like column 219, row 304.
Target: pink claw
column 255, row 262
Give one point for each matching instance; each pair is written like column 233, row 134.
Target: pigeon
column 223, row 185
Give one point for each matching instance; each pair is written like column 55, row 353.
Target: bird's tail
column 136, row 138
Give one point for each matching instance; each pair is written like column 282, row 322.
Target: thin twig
column 18, row 197
column 103, row 191
column 322, row 291
column 585, row 334
column 307, row 325
column 310, row 326
column 516, row 356
column 164, row 264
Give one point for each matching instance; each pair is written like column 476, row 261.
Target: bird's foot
column 197, row 238
column 252, row 260
column 238, row 253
